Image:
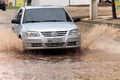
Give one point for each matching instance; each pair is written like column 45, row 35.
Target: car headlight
column 74, row 32
column 32, row 34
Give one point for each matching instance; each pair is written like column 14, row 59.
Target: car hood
column 50, row 26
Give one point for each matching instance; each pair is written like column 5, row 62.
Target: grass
column 15, row 7
column 10, row 7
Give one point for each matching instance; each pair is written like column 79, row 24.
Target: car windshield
column 46, row 15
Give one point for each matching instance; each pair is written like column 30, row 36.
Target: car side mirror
column 76, row 19
column 15, row 21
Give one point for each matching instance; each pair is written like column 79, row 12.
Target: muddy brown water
column 99, row 60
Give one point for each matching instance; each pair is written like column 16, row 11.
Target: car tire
column 4, row 8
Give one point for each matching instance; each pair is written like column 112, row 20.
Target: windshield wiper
column 31, row 21
column 46, row 21
column 54, row 21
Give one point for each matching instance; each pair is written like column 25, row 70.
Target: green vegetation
column 10, row 7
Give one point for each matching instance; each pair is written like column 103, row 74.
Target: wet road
column 99, row 60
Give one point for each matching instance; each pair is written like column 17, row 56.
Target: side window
column 19, row 15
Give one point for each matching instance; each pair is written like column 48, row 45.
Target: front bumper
column 52, row 42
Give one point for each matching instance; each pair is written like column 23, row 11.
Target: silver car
column 46, row 27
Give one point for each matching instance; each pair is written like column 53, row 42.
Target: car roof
column 43, row 6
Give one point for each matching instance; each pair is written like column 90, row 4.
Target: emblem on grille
column 54, row 34
column 50, row 41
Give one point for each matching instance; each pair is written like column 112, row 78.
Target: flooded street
column 99, row 60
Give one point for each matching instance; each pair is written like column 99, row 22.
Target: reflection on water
column 54, row 55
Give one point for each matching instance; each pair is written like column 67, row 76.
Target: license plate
column 54, row 40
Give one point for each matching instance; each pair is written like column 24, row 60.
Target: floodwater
column 99, row 60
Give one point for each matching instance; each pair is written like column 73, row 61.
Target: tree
column 114, row 10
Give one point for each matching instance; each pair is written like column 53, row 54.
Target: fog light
column 77, row 43
column 28, row 45
column 72, row 43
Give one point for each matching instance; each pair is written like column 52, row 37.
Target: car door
column 18, row 17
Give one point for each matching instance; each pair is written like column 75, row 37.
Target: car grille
column 54, row 44
column 54, row 34
column 36, row 45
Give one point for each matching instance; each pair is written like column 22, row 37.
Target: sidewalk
column 103, row 20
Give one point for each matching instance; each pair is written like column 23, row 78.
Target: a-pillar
column 93, row 9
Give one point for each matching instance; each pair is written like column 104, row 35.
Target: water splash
column 102, row 37
column 9, row 41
